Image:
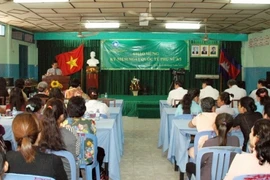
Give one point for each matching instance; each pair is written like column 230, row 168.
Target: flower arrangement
column 56, row 84
column 135, row 86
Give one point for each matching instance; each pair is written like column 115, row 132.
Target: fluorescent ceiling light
column 251, row 1
column 182, row 26
column 38, row 1
column 101, row 25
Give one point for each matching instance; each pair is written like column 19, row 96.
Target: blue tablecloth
column 108, row 139
column 180, row 141
column 116, row 113
column 165, row 126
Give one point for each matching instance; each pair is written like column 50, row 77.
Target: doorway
column 23, row 61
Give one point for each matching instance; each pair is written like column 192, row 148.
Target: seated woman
column 263, row 98
column 203, row 121
column 246, row 117
column 223, row 102
column 34, row 105
column 28, row 159
column 222, row 126
column 257, row 162
column 190, row 103
column 76, row 109
column 16, row 99
column 75, row 90
column 93, row 104
column 55, row 137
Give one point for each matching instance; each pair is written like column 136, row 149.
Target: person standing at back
column 177, row 93
column 237, row 92
column 260, row 84
column 208, row 91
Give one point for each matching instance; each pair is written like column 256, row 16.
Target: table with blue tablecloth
column 180, row 142
column 167, row 115
column 116, row 113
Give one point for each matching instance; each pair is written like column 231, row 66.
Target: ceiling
column 222, row 17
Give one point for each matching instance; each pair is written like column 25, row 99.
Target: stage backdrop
column 134, row 54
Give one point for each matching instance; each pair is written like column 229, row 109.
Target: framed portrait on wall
column 204, row 50
column 195, row 50
column 213, row 50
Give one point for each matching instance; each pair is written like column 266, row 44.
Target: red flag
column 228, row 66
column 70, row 62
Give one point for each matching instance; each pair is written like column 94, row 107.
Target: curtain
column 155, row 82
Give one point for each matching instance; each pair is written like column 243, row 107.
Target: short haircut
column 263, row 82
column 93, row 93
column 207, row 104
column 231, row 82
column 76, row 106
column 207, row 82
column 178, row 82
column 19, row 83
column 75, row 83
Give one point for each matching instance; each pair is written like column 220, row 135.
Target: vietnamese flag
column 228, row 66
column 70, row 62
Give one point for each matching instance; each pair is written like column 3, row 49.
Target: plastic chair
column 104, row 116
column 69, row 156
column 198, row 136
column 220, row 160
column 13, row 176
column 85, row 165
column 253, row 177
column 235, row 103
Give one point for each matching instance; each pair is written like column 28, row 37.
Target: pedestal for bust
column 91, row 77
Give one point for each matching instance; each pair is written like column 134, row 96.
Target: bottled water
column 97, row 115
column 106, row 95
column 14, row 112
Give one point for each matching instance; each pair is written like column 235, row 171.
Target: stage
column 142, row 106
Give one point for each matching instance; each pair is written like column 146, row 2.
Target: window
column 2, row 30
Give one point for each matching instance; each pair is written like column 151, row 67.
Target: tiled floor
column 142, row 160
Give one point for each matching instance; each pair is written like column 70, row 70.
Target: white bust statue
column 92, row 61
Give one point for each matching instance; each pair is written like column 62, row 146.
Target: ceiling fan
column 144, row 18
column 83, row 35
column 205, row 37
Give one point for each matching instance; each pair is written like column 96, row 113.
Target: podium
column 91, row 77
column 64, row 80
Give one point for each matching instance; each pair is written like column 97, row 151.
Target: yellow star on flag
column 72, row 62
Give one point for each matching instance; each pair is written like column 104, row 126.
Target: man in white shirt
column 208, row 91
column 261, row 84
column 237, row 92
column 93, row 104
column 54, row 70
column 177, row 93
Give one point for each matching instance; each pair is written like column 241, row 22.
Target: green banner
column 144, row 54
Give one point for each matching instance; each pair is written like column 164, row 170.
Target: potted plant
column 135, row 86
